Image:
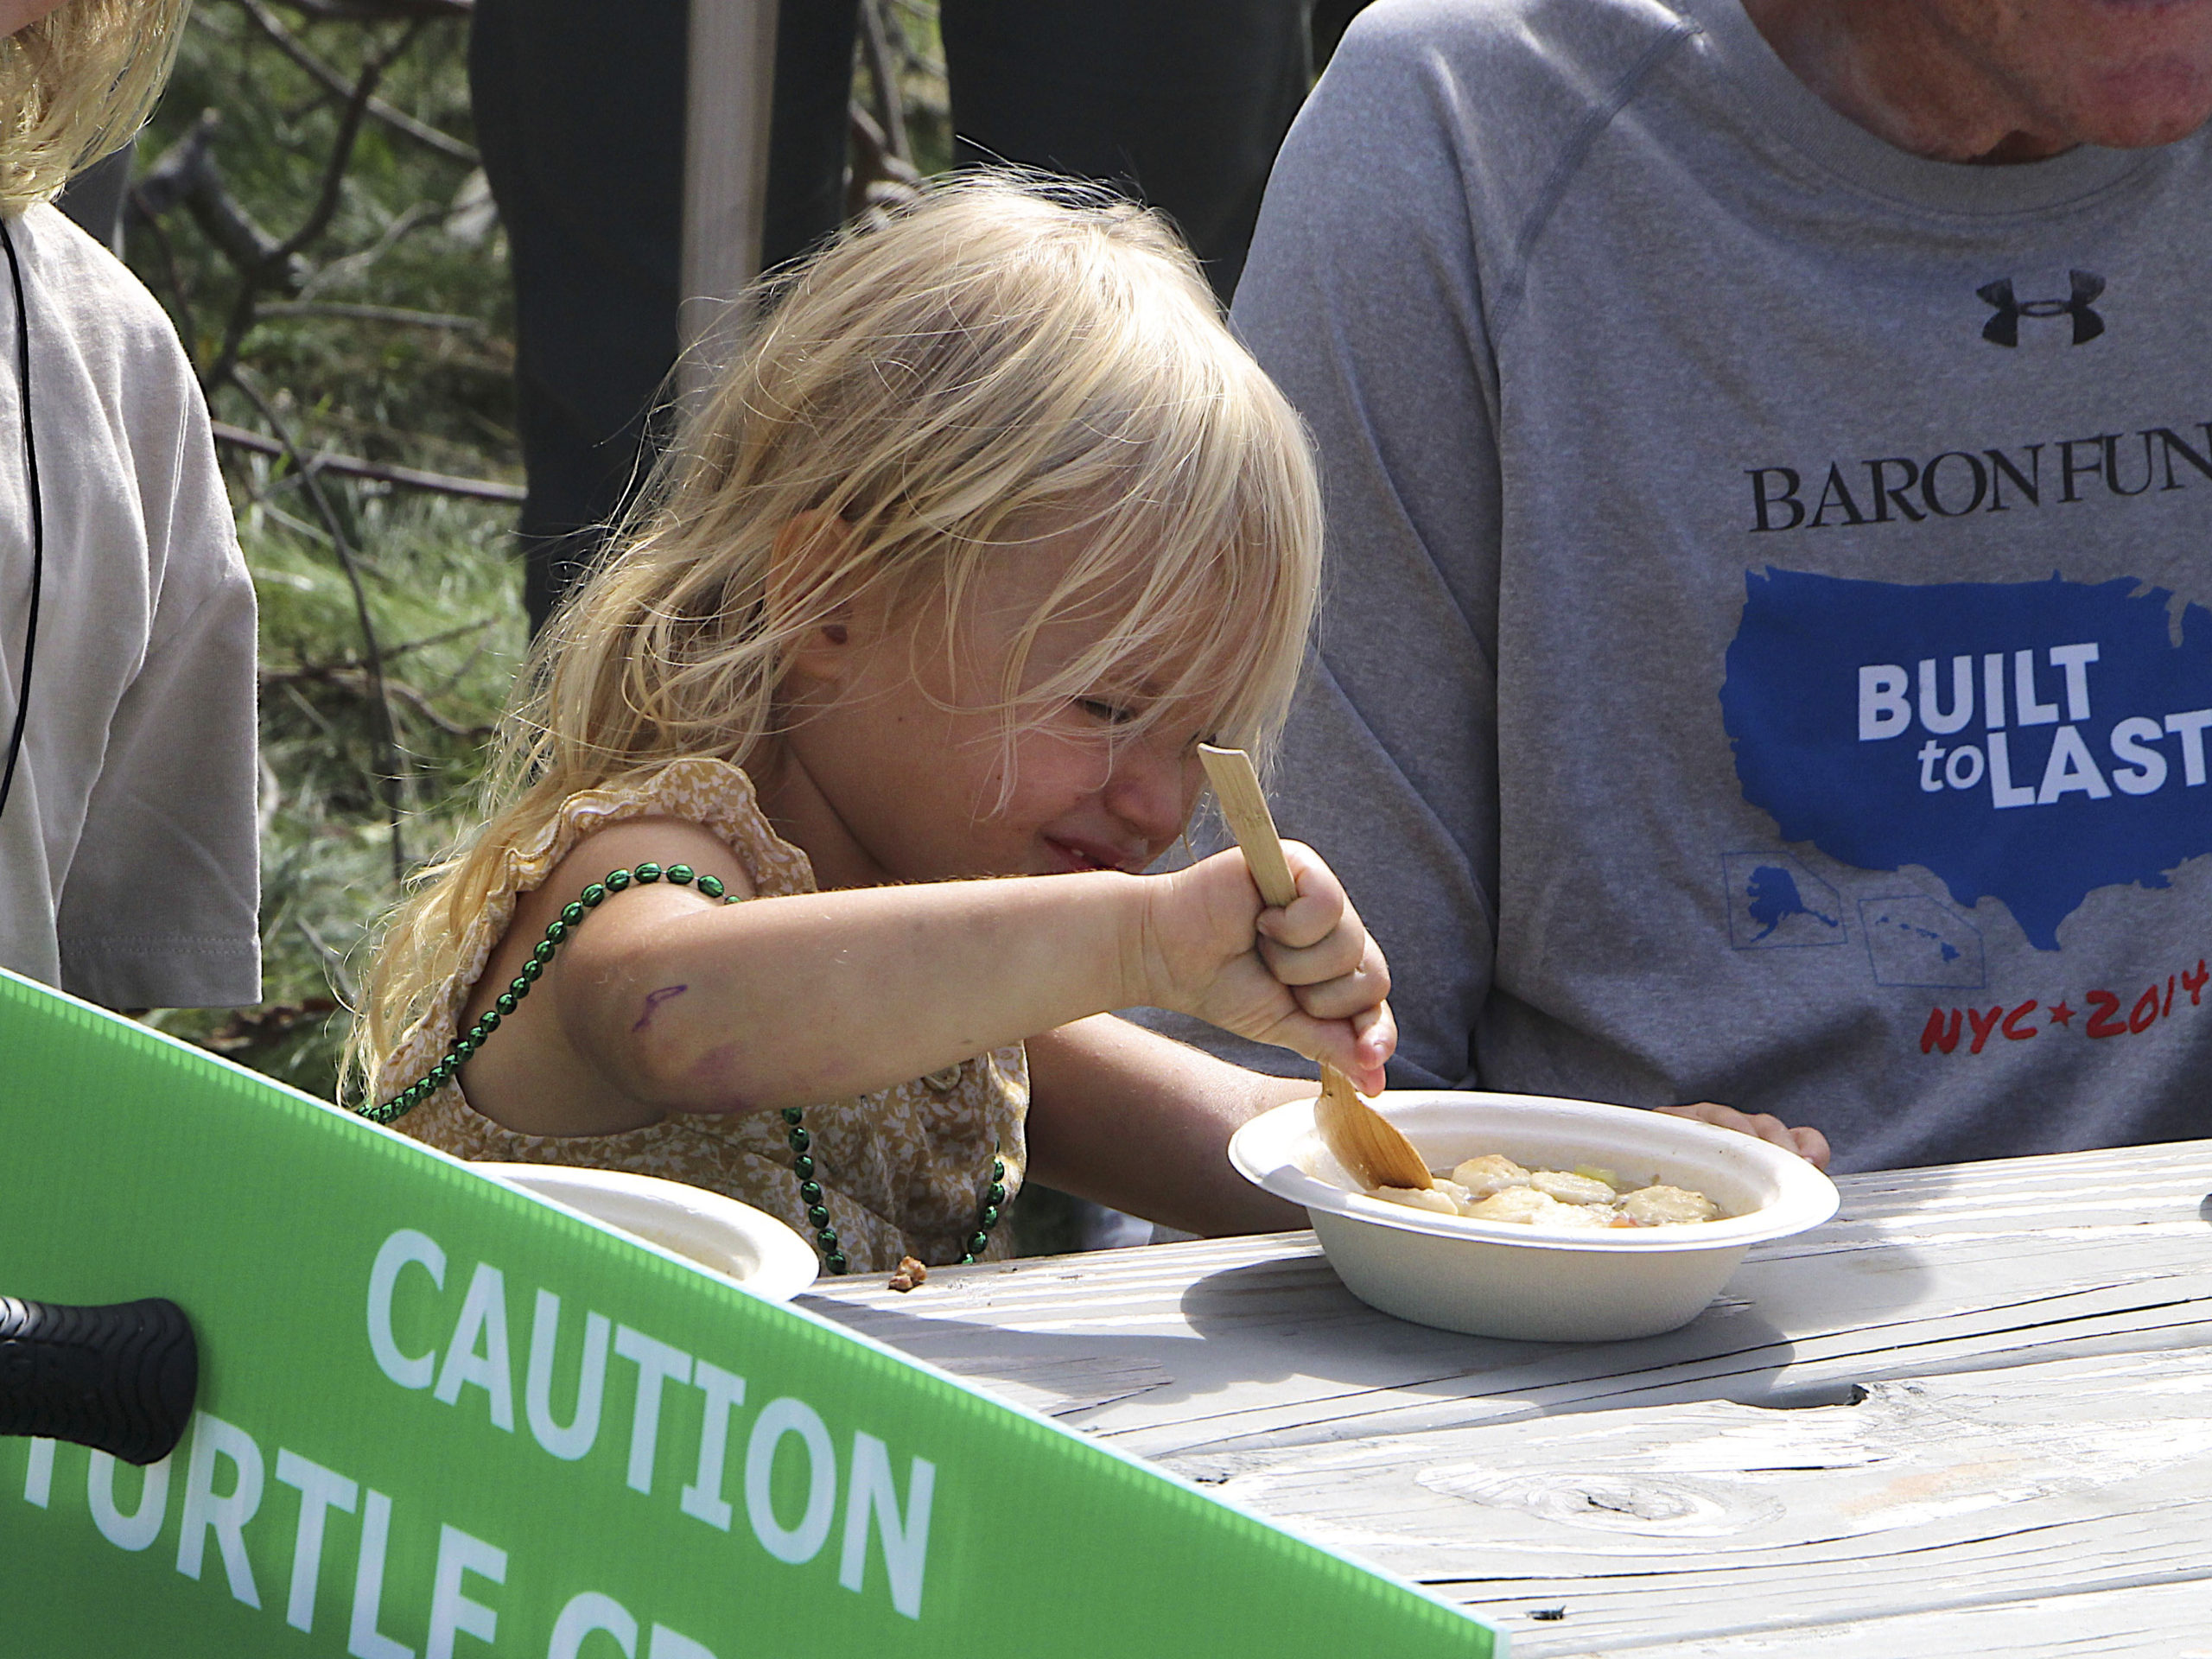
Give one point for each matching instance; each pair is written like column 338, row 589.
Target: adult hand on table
column 1810, row 1144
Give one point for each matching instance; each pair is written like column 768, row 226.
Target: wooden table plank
column 2078, row 1477
column 2167, row 1621
column 1250, row 1344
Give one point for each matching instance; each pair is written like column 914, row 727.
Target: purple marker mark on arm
column 653, row 999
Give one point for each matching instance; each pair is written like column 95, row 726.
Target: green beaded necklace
column 571, row 916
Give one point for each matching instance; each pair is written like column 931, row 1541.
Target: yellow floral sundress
column 904, row 1170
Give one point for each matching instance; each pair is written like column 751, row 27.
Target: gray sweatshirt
column 1764, row 657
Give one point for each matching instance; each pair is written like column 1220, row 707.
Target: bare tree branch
column 349, row 131
column 913, row 53
column 397, row 118
column 879, row 177
column 185, row 175
column 374, row 313
column 413, row 478
column 350, row 678
column 349, row 267
column 883, row 76
column 393, row 653
column 253, row 278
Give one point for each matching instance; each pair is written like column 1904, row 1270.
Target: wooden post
column 731, row 83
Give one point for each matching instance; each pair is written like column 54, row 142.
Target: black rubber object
column 120, row 1379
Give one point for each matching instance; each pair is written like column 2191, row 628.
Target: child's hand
column 1808, row 1143
column 1307, row 977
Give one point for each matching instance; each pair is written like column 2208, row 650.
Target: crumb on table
column 909, row 1274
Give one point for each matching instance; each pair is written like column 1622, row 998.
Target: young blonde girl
column 991, row 523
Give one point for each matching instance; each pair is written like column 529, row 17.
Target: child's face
column 905, row 756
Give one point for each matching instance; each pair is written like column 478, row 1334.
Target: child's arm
column 665, row 1002
column 1125, row 1117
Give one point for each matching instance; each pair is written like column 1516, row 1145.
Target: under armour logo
column 2004, row 329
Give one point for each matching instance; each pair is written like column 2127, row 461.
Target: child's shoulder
column 704, row 790
column 107, row 356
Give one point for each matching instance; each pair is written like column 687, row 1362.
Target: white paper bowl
column 719, row 1234
column 1506, row 1279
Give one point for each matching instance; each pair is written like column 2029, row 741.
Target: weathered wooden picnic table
column 1973, row 1415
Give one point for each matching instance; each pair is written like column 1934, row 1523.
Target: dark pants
column 1182, row 102
column 579, row 112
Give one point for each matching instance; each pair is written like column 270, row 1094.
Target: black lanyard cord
column 38, row 520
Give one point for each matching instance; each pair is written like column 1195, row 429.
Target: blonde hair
column 1005, row 360
column 76, row 85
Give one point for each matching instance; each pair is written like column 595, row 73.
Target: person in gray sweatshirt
column 1769, row 463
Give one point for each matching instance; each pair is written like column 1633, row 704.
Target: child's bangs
column 1198, row 590
column 1183, row 484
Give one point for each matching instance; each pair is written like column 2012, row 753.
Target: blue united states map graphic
column 2029, row 742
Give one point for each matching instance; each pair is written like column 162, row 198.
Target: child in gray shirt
column 128, row 869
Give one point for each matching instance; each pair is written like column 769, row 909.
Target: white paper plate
column 718, row 1233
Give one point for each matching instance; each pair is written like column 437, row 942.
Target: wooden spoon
column 1363, row 1140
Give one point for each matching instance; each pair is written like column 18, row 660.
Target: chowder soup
column 1492, row 1187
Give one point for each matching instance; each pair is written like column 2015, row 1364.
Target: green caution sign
column 438, row 1420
